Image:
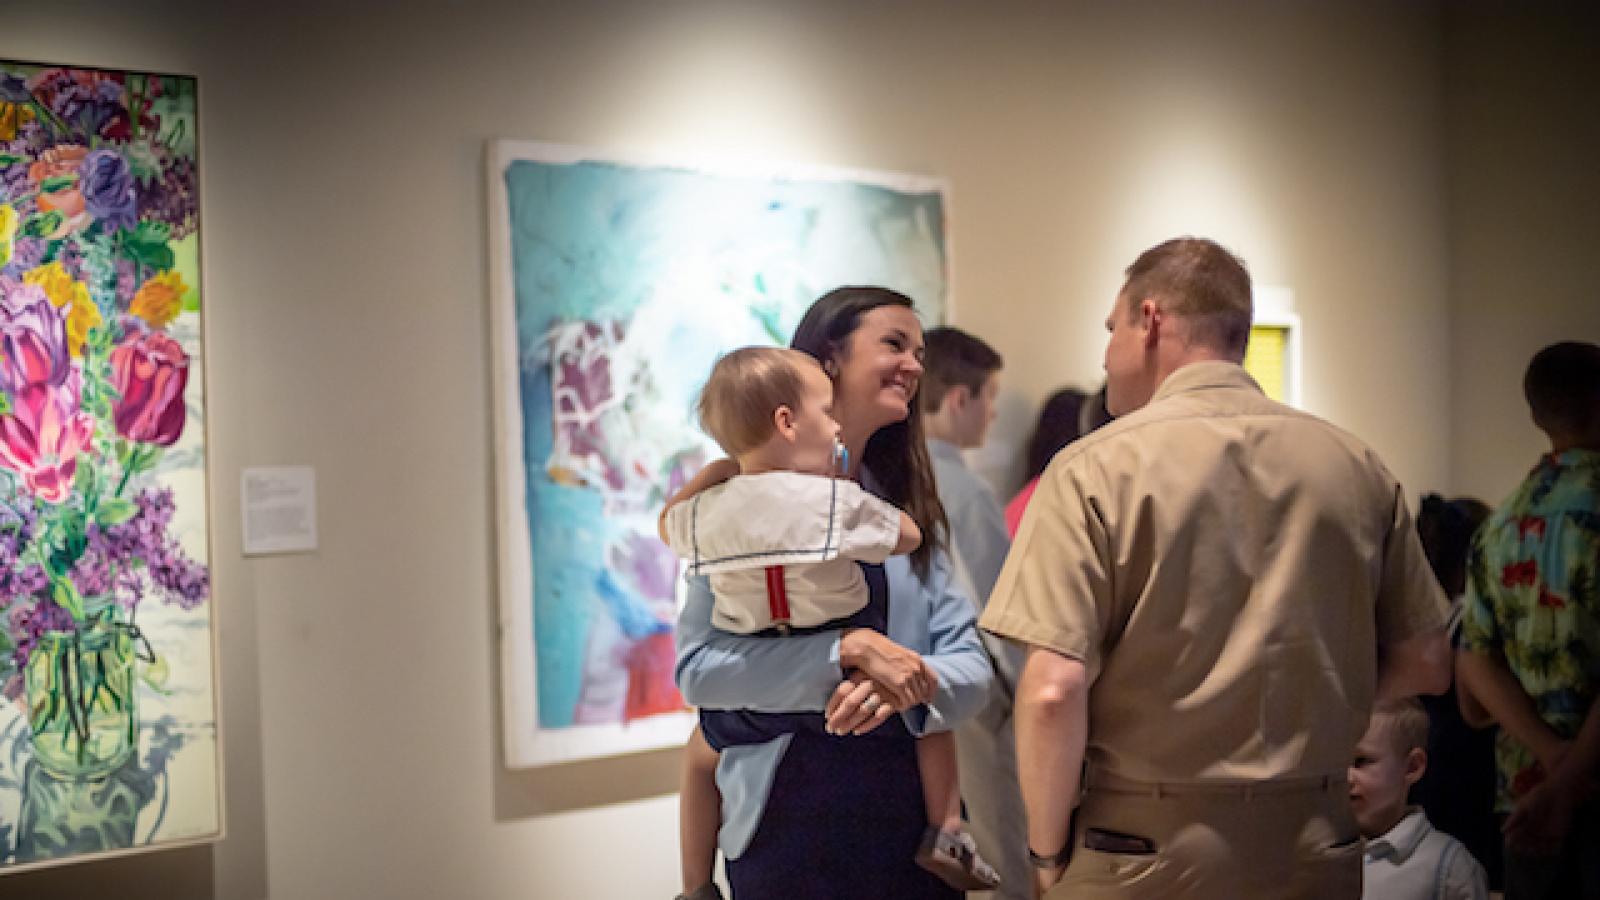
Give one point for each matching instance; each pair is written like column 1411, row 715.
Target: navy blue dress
column 845, row 814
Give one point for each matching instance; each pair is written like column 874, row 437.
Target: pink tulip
column 149, row 371
column 33, row 338
column 42, row 436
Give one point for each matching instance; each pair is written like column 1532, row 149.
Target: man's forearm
column 1493, row 686
column 1580, row 768
column 1052, row 724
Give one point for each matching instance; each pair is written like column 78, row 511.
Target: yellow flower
column 12, row 117
column 8, row 230
column 160, row 299
column 64, row 290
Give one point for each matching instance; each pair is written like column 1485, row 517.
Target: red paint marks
column 1522, row 573
column 651, row 690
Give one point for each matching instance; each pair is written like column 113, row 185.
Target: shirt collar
column 944, row 450
column 1211, row 373
column 1403, row 839
column 1575, row 457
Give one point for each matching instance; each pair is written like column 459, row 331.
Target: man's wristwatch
column 1051, row 862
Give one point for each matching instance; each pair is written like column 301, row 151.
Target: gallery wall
column 347, row 316
column 1525, row 221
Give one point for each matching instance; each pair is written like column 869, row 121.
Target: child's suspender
column 777, row 599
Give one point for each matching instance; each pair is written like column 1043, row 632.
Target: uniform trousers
column 1271, row 840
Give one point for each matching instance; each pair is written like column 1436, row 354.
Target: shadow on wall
column 184, row 873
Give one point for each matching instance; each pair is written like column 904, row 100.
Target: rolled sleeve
column 1055, row 589
column 718, row 670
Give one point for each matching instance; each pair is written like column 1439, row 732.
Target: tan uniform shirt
column 1225, row 567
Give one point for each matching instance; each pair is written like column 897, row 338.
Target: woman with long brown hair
column 815, row 814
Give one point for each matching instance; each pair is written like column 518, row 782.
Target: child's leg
column 941, row 784
column 699, row 813
column 947, row 849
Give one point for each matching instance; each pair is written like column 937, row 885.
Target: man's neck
column 1188, row 355
column 1561, row 443
column 938, row 428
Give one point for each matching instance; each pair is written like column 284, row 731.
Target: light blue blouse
column 718, row 670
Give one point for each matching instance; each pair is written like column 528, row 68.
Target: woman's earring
column 841, row 457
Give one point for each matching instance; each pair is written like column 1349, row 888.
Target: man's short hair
column 1201, row 281
column 954, row 358
column 743, row 391
column 1403, row 723
column 1563, row 387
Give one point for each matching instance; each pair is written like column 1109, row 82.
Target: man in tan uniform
column 1215, row 587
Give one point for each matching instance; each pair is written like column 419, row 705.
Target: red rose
column 149, row 371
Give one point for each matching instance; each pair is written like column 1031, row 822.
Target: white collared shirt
column 816, row 527
column 1415, row 861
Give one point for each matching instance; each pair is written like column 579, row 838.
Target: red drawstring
column 777, row 597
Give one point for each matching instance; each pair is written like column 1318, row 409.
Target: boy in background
column 1406, row 858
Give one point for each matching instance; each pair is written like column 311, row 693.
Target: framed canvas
column 1273, row 355
column 108, row 726
column 616, row 282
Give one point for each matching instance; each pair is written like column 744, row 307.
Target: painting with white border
column 616, row 283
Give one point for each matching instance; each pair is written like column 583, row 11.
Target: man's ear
column 1151, row 320
column 783, row 420
column 1416, row 765
column 956, row 398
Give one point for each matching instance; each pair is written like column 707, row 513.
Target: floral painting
column 108, row 724
column 617, row 284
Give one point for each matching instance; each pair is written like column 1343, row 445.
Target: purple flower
column 171, row 197
column 87, row 101
column 30, row 621
column 14, row 89
column 144, row 539
column 26, row 253
column 33, row 338
column 91, row 574
column 107, row 186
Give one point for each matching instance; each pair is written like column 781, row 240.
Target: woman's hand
column 901, row 673
column 857, row 706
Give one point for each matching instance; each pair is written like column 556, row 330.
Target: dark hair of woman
column 1069, row 414
column 1446, row 528
column 1057, row 427
column 897, row 454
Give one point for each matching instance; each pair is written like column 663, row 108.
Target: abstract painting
column 616, row 283
column 108, row 738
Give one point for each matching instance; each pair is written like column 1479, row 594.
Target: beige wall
column 346, row 302
column 1524, row 170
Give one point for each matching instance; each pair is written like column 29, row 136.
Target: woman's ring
column 871, row 703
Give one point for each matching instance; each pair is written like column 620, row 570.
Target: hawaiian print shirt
column 1532, row 597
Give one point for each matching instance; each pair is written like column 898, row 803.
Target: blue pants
column 842, row 822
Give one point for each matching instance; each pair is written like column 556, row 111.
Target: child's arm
column 712, row 475
column 910, row 535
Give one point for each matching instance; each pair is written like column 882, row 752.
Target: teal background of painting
column 595, row 241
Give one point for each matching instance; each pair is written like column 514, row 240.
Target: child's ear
column 783, row 420
column 1416, row 765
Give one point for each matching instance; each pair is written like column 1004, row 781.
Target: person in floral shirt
column 1531, row 637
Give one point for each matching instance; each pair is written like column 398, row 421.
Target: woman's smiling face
column 879, row 369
